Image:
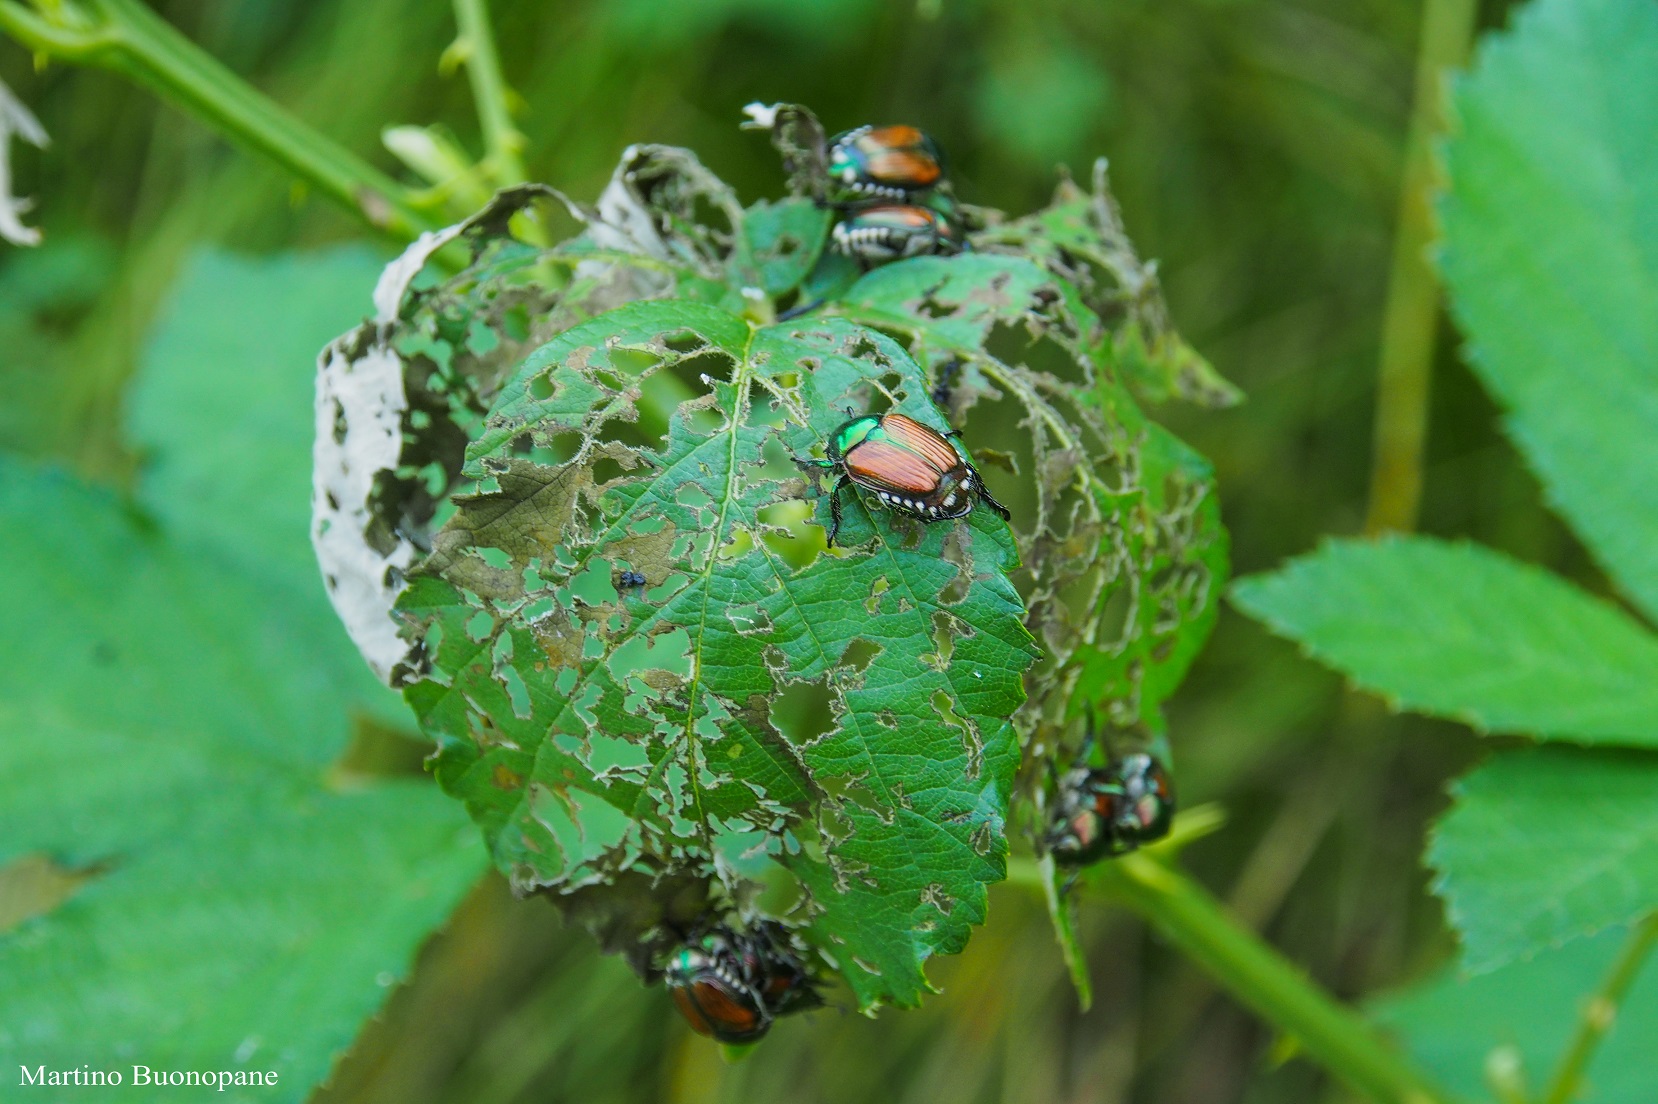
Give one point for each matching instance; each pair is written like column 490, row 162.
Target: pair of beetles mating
column 731, row 983
column 891, row 181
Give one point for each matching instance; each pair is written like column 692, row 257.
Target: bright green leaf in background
column 1551, row 259
column 1466, row 633
column 1551, row 256
column 1528, row 1010
column 175, row 711
column 222, row 413
column 1547, row 844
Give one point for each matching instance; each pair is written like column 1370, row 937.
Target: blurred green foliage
column 1255, row 145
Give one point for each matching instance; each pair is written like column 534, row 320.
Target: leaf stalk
column 128, row 38
column 1331, row 1034
column 503, row 142
column 1410, row 318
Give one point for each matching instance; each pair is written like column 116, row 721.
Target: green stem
column 1410, row 321
column 1600, row 1011
column 128, row 38
column 503, row 141
column 1333, row 1035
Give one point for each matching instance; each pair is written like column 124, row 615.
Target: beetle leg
column 989, row 499
column 835, row 508
column 1070, row 881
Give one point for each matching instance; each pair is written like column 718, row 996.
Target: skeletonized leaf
column 1125, row 551
column 602, row 731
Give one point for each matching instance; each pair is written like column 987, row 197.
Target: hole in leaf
column 801, row 712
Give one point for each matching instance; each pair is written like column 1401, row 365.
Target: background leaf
column 177, row 700
column 1547, row 844
column 223, row 395
column 1464, row 632
column 251, row 908
column 1451, row 1023
column 1551, row 257
column 221, row 413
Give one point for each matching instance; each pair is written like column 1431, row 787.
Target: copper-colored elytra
column 916, row 437
column 885, row 466
column 711, row 1011
column 917, row 170
column 895, row 135
column 893, row 157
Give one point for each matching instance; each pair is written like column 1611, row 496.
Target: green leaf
column 1551, row 256
column 601, row 732
column 222, row 406
column 1547, row 844
column 785, row 240
column 1080, row 238
column 222, row 411
column 1126, row 552
column 654, row 756
column 170, row 723
column 1463, row 632
column 1452, row 1023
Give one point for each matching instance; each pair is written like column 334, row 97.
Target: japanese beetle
column 1109, row 810
column 889, row 233
column 730, row 985
column 711, row 987
column 885, row 162
column 911, row 468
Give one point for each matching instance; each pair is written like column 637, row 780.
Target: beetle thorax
column 851, row 435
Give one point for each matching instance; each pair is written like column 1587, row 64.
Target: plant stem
column 1410, row 321
column 503, row 142
column 128, row 38
column 1600, row 1011
column 1335, row 1036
